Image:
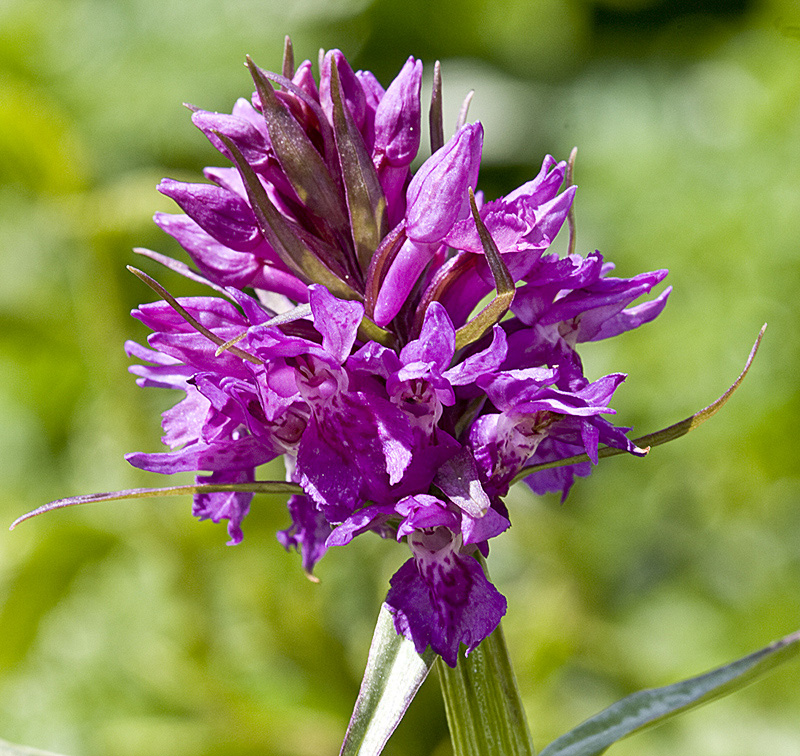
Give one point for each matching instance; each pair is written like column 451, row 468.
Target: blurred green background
column 129, row 629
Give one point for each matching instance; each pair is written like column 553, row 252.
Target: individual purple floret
column 349, row 333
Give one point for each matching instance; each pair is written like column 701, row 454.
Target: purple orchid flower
column 343, row 336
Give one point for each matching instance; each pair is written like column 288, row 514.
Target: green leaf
column 9, row 749
column 484, row 710
column 648, row 708
column 659, row 437
column 392, row 678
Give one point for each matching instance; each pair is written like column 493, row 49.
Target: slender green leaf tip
column 258, row 486
column 665, row 434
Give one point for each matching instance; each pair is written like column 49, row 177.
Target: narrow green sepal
column 494, row 311
column 392, row 678
column 301, row 162
column 285, row 237
column 649, row 708
column 366, row 202
column 484, row 710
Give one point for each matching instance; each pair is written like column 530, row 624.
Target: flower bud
column 397, row 118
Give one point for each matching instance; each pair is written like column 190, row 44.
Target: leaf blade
column 9, row 749
column 648, row 708
column 392, row 677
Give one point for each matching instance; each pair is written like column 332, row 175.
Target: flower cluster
column 350, row 334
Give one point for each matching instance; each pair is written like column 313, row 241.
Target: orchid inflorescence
column 406, row 345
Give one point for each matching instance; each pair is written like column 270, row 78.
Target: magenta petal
column 219, row 263
column 231, row 455
column 326, row 475
column 481, row 529
column 437, row 340
column 631, row 317
column 443, row 604
column 352, row 92
column 183, row 423
column 232, row 506
column 482, row 363
column 308, row 532
column 372, row 517
column 337, row 320
column 250, row 140
column 458, row 479
column 219, row 212
column 409, row 263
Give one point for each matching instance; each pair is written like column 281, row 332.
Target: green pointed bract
column 366, row 202
column 328, row 145
column 648, row 708
column 392, row 678
column 301, row 162
column 504, row 283
column 287, row 69
column 199, row 327
column 659, row 437
column 435, row 117
column 258, row 486
column 282, row 235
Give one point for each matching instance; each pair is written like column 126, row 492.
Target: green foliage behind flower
column 125, row 631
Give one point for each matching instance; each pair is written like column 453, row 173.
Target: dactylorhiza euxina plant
column 340, row 333
column 347, row 283
column 406, row 345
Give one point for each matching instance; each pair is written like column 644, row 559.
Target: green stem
column 481, row 699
